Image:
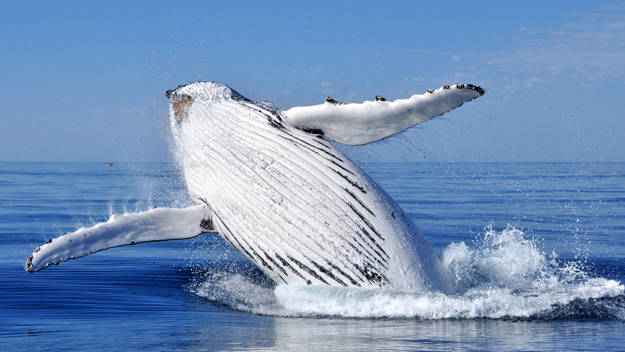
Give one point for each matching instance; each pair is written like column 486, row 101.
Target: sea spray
column 501, row 275
column 506, row 259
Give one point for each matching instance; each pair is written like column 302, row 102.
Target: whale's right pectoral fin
column 159, row 224
column 371, row 121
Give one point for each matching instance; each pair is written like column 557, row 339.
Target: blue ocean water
column 537, row 251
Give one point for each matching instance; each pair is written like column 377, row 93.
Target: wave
column 502, row 274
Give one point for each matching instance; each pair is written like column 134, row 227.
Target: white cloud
column 591, row 48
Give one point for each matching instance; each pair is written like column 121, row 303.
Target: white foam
column 503, row 275
column 478, row 303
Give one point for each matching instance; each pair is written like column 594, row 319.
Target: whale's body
column 289, row 200
column 271, row 184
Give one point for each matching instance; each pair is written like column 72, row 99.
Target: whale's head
column 215, row 128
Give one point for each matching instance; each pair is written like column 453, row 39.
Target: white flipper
column 357, row 124
column 159, row 224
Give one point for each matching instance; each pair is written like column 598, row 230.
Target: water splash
column 501, row 275
column 507, row 259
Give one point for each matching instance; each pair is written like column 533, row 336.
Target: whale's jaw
column 291, row 202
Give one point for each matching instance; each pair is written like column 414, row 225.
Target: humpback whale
column 272, row 184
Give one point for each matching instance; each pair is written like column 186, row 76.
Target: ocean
column 536, row 252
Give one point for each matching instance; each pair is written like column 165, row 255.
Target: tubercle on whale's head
column 182, row 97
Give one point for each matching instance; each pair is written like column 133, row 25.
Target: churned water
column 536, row 252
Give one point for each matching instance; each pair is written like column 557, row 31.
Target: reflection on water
column 306, row 334
column 426, row 335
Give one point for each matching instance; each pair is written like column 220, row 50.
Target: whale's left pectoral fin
column 158, row 224
column 357, row 124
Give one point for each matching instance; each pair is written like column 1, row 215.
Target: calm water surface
column 202, row 295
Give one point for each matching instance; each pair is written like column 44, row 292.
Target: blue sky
column 83, row 81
